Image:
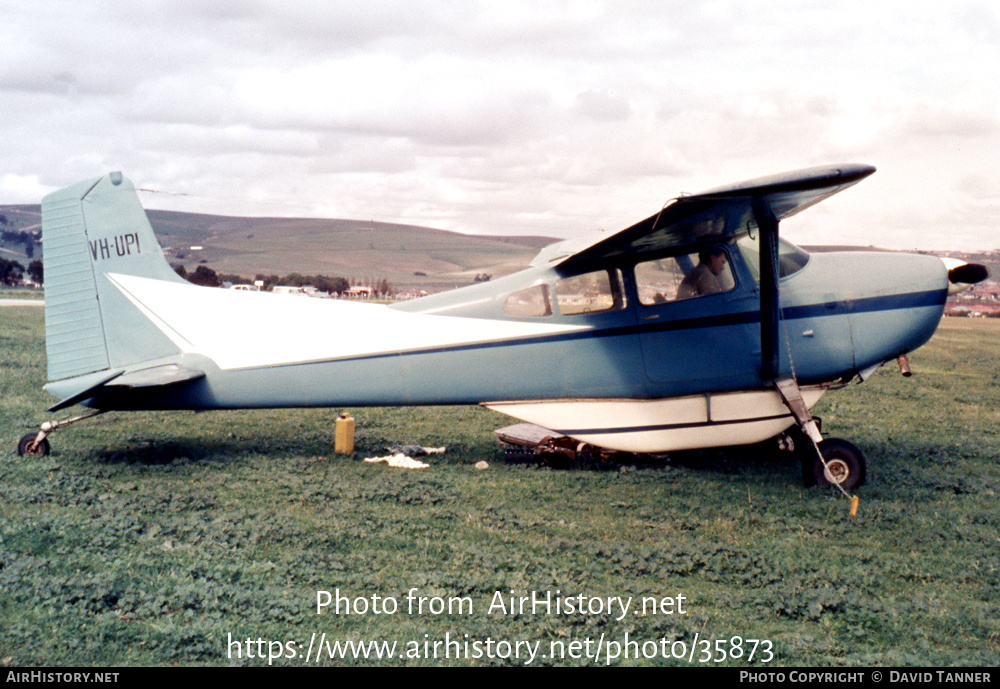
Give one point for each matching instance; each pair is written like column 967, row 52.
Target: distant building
column 982, row 299
column 286, row 289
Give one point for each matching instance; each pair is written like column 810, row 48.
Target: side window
column 791, row 259
column 589, row 293
column 683, row 277
column 531, row 302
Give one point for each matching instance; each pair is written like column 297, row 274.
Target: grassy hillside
column 344, row 248
column 404, row 254
column 174, row 538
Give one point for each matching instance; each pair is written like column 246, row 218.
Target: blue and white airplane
column 696, row 327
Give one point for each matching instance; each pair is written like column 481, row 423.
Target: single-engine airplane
column 696, row 327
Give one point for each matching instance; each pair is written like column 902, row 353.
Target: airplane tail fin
column 90, row 232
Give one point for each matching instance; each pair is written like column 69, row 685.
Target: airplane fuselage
column 649, row 339
column 842, row 313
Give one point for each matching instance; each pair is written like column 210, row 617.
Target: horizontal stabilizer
column 79, row 389
column 169, row 374
column 93, row 385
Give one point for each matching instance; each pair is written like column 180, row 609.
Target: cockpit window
column 791, row 259
column 683, row 277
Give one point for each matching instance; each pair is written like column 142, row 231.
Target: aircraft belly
column 465, row 376
column 664, row 425
column 606, row 366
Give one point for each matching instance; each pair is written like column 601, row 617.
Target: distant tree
column 331, row 285
column 293, row 280
column 180, row 270
column 36, row 272
column 205, row 276
column 233, row 279
column 11, row 272
column 268, row 280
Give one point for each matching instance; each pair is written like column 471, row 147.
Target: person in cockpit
column 704, row 279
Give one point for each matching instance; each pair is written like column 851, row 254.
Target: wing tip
column 796, row 180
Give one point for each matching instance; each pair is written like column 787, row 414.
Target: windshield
column 791, row 259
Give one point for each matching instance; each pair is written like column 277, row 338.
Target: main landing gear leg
column 835, row 462
column 37, row 444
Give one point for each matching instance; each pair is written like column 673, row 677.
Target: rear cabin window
column 589, row 293
column 533, row 302
column 683, row 277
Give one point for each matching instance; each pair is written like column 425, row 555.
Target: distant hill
column 406, row 255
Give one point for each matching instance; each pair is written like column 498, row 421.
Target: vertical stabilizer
column 90, row 230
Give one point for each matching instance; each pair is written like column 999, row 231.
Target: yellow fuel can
column 343, row 443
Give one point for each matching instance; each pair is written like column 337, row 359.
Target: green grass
column 149, row 539
column 21, row 293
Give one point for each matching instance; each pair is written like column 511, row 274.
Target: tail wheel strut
column 37, row 444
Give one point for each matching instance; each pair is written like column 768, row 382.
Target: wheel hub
column 836, row 471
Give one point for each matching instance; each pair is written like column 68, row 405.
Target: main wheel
column 845, row 465
column 24, row 447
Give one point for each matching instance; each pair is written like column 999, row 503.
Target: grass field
column 174, row 538
column 21, row 293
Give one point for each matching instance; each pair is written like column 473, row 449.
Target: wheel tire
column 24, row 447
column 847, row 466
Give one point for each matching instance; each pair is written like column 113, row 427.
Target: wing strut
column 770, row 311
column 786, row 385
column 770, row 317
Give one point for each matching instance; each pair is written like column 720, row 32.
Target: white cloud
column 500, row 116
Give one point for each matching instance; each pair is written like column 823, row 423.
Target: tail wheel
column 24, row 448
column 845, row 465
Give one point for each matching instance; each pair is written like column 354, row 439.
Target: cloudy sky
column 507, row 117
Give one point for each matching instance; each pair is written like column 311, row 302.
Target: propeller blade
column 968, row 274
